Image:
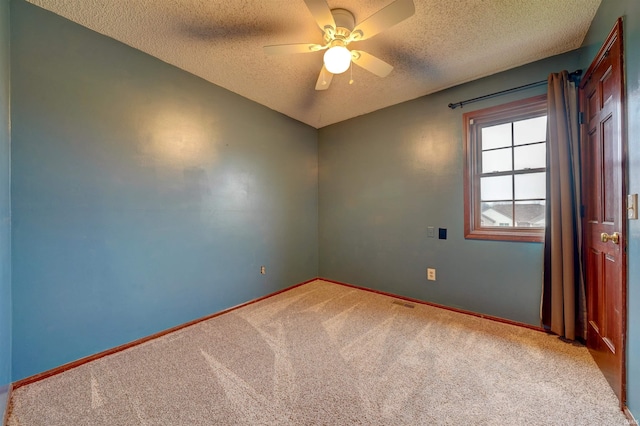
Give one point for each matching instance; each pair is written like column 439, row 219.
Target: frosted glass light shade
column 337, row 59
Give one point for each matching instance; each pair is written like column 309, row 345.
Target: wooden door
column 604, row 223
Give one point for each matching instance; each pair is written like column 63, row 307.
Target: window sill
column 536, row 236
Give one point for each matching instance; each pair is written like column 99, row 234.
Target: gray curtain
column 563, row 308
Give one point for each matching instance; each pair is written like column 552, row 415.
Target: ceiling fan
column 339, row 30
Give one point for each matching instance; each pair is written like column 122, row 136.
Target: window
column 505, row 176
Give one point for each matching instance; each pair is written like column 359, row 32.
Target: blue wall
column 604, row 20
column 143, row 197
column 5, row 207
column 386, row 176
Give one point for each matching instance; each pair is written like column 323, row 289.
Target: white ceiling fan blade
column 284, row 49
column 371, row 63
column 321, row 13
column 324, row 79
column 385, row 18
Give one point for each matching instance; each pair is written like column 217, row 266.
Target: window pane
column 496, row 136
column 530, row 156
column 530, row 185
column 530, row 214
column 496, row 188
column 496, row 214
column 529, row 131
column 498, row 160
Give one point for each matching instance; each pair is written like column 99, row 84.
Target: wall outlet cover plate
column 431, row 274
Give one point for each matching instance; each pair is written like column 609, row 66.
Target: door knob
column 614, row 238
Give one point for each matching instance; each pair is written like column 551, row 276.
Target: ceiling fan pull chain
column 351, row 71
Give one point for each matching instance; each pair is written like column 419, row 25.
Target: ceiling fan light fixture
column 339, row 29
column 337, row 59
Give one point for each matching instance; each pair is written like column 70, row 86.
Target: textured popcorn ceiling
column 444, row 44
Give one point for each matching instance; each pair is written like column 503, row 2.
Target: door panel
column 604, row 226
column 612, row 310
column 608, row 84
column 592, row 104
column 596, row 296
column 608, row 146
column 591, row 183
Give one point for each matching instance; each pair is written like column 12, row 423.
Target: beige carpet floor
column 325, row 354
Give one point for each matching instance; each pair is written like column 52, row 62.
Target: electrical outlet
column 431, row 274
column 431, row 232
column 263, row 270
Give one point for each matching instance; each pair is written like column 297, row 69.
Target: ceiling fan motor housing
column 345, row 23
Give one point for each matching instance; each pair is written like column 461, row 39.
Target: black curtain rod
column 575, row 74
